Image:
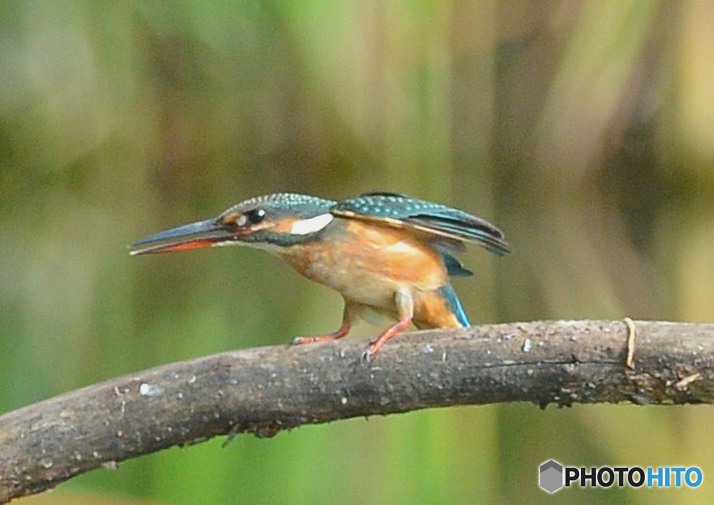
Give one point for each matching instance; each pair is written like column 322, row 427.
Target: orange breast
column 368, row 263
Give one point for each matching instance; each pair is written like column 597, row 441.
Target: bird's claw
column 302, row 340
column 366, row 357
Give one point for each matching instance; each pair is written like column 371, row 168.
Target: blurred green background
column 584, row 129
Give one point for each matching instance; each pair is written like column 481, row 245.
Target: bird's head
column 271, row 222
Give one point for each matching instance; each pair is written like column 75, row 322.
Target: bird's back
column 432, row 221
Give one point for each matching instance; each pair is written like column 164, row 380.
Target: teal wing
column 453, row 266
column 443, row 224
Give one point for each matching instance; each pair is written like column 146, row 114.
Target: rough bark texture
column 269, row 389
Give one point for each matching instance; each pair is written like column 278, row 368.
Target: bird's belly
column 358, row 281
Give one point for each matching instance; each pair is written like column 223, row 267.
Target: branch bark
column 266, row 390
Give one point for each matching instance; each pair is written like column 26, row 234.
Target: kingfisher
column 383, row 252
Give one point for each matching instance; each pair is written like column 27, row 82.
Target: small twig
column 631, row 336
column 685, row 382
column 266, row 390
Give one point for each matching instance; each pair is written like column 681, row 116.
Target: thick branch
column 269, row 389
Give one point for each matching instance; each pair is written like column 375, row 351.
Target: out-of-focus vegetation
column 585, row 129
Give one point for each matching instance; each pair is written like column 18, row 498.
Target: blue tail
column 455, row 304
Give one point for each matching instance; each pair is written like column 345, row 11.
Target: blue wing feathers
column 453, row 265
column 431, row 217
column 453, row 300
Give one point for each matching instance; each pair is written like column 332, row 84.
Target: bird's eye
column 255, row 216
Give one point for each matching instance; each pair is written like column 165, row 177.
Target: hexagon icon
column 550, row 476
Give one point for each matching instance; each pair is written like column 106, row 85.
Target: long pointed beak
column 190, row 236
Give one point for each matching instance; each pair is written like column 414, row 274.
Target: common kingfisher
column 383, row 252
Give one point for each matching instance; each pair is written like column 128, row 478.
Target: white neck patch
column 227, row 243
column 311, row 225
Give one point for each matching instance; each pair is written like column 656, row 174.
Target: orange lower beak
column 191, row 236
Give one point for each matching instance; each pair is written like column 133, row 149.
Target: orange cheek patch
column 285, row 225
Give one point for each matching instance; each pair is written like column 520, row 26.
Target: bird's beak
column 190, row 236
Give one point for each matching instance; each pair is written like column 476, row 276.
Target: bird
column 385, row 253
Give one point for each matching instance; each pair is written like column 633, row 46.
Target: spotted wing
column 443, row 224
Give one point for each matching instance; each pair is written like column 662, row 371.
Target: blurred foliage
column 582, row 128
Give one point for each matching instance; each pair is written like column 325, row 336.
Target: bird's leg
column 342, row 331
column 405, row 309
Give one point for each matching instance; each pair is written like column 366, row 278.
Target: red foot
column 335, row 335
column 386, row 336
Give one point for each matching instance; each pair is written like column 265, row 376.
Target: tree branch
column 269, row 389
